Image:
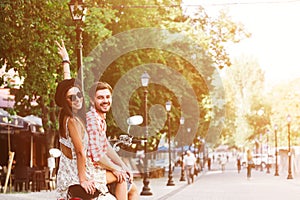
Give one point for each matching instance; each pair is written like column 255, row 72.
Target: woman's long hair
column 66, row 111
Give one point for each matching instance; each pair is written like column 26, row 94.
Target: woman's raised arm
column 62, row 51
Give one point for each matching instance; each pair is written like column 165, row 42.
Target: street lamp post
column 182, row 178
column 289, row 151
column 260, row 113
column 268, row 162
column 276, row 151
column 188, row 131
column 78, row 11
column 199, row 153
column 199, row 145
column 146, row 189
column 261, row 152
column 204, row 152
column 170, row 180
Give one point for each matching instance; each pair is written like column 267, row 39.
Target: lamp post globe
column 145, row 79
column 78, row 10
column 168, row 106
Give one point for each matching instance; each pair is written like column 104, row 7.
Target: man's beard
column 99, row 108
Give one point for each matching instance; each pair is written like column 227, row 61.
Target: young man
column 100, row 150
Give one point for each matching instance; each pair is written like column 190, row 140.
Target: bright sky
column 275, row 29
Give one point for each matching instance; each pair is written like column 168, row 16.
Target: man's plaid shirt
column 96, row 128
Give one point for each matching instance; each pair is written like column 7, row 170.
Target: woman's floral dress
column 68, row 173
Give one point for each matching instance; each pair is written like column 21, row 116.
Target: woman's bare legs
column 121, row 187
column 133, row 193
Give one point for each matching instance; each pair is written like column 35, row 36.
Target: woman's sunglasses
column 73, row 97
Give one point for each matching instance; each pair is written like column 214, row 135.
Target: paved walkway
column 210, row 185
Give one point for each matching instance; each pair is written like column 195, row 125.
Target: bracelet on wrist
column 65, row 57
column 66, row 61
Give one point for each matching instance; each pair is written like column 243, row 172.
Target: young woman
column 120, row 186
column 75, row 168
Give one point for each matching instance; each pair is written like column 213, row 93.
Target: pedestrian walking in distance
column 238, row 163
column 189, row 163
column 250, row 163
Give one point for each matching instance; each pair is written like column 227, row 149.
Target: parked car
column 164, row 163
column 261, row 160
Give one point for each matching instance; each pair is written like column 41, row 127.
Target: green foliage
column 284, row 100
column 244, row 83
column 29, row 29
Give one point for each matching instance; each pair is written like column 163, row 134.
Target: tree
column 244, row 91
column 209, row 36
column 29, row 29
column 284, row 100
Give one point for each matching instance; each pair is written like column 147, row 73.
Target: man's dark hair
column 98, row 86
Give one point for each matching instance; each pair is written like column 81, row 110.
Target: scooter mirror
column 135, row 120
